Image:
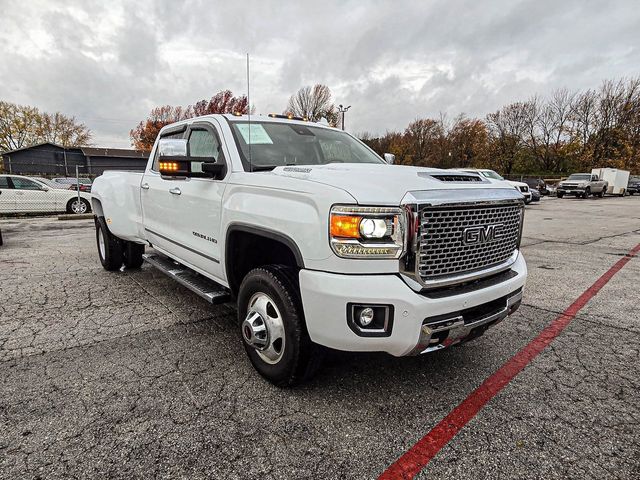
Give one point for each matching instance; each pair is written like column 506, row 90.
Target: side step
column 207, row 289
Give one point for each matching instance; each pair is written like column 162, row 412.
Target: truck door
column 160, row 207
column 198, row 228
column 182, row 216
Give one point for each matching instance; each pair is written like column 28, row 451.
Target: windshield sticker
column 258, row 134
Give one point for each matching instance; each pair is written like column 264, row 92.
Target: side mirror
column 174, row 161
column 390, row 158
column 172, row 147
column 212, row 168
column 43, row 188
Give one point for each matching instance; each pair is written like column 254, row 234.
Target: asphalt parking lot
column 130, row 375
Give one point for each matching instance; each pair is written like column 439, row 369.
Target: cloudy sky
column 109, row 63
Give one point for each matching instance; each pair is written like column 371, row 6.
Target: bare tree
column 507, row 128
column 22, row 126
column 314, row 104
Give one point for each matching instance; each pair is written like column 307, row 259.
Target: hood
column 379, row 184
column 517, row 184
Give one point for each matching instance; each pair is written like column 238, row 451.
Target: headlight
column 367, row 232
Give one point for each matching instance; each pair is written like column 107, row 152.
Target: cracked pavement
column 129, row 375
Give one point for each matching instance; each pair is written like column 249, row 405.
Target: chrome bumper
column 446, row 330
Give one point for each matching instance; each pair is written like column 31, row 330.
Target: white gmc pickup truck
column 320, row 241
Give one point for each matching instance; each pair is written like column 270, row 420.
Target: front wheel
column 273, row 328
column 560, row 195
column 78, row 205
column 586, row 193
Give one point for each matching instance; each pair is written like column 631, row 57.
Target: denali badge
column 483, row 234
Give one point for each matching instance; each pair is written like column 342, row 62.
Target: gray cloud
column 110, row 63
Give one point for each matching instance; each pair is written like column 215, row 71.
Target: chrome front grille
column 455, row 241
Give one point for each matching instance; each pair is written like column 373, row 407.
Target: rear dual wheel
column 114, row 252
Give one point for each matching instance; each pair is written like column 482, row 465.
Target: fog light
column 373, row 320
column 366, row 316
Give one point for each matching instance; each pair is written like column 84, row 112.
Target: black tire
column 110, row 253
column 78, row 208
column 586, row 193
column 132, row 255
column 0, row 238
column 300, row 357
column 560, row 195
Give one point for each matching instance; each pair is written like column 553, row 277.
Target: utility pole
column 342, row 110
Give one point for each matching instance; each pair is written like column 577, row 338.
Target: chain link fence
column 32, row 189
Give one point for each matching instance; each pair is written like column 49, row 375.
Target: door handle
column 144, row 186
column 175, row 191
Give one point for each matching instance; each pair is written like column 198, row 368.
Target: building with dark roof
column 49, row 159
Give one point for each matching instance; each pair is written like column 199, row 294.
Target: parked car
column 538, row 184
column 0, row 238
column 72, row 182
column 319, row 241
column 522, row 187
column 50, row 183
column 20, row 194
column 582, row 185
column 634, row 186
column 535, row 194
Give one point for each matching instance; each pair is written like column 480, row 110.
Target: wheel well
column 96, row 206
column 247, row 249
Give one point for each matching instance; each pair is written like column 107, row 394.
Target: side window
column 4, row 182
column 155, row 167
column 24, row 184
column 203, row 143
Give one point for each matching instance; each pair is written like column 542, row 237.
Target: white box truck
column 616, row 179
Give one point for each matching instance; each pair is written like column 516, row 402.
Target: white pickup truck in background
column 320, row 241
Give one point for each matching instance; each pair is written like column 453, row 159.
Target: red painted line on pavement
column 420, row 454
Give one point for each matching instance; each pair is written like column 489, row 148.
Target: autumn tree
column 22, row 126
column 422, row 137
column 314, row 104
column 467, row 143
column 144, row 135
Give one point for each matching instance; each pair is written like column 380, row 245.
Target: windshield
column 491, row 174
column 580, row 176
column 280, row 144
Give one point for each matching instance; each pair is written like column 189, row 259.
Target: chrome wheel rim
column 101, row 246
column 78, row 206
column 263, row 328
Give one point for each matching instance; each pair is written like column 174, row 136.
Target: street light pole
column 342, row 110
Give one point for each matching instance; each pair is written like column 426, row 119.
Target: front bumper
column 325, row 297
column 570, row 190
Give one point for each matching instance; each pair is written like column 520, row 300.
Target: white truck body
column 195, row 221
column 617, row 180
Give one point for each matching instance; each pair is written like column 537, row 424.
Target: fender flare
column 263, row 232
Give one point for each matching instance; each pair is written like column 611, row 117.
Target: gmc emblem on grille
column 482, row 234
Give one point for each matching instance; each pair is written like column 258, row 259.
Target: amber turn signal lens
column 169, row 166
column 345, row 226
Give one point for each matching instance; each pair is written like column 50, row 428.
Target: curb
column 76, row 216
